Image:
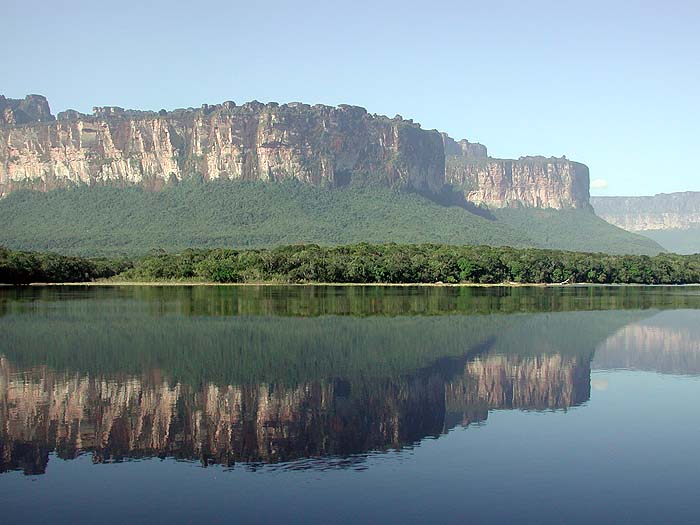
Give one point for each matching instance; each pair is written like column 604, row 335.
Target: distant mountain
column 671, row 219
column 284, row 173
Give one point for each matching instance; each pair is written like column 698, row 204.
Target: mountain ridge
column 671, row 219
column 360, row 177
column 315, row 144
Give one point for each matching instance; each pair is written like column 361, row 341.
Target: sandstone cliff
column 319, row 145
column 463, row 148
column 661, row 212
column 33, row 108
column 529, row 182
column 313, row 144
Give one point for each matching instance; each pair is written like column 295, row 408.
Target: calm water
column 349, row 405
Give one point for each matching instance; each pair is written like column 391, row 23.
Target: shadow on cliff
column 450, row 196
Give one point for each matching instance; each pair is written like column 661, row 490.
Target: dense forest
column 358, row 263
column 18, row 267
column 103, row 220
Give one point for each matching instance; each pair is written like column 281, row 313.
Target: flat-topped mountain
column 267, row 142
column 130, row 181
column 672, row 219
column 664, row 211
column 319, row 145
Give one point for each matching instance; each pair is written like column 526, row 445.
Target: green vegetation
column 31, row 267
column 110, row 221
column 427, row 263
column 575, row 230
column 359, row 263
column 677, row 241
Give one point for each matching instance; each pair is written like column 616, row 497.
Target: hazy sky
column 612, row 84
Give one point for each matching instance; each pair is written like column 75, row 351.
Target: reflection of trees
column 358, row 301
column 130, row 417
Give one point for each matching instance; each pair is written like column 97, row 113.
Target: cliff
column 33, row 108
column 529, row 182
column 320, row 145
column 463, row 148
column 664, row 211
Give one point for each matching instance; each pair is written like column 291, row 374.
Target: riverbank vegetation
column 18, row 267
column 358, row 263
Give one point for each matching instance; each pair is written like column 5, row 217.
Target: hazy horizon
column 611, row 86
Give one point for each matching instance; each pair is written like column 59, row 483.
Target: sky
column 612, row 84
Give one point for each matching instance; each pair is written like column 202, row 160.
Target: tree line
column 358, row 263
column 18, row 267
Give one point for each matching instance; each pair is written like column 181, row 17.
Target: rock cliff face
column 318, row 145
column 463, row 148
column 680, row 211
column 33, row 108
column 672, row 220
column 313, row 144
column 529, row 182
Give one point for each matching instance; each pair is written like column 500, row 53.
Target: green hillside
column 110, row 221
column 677, row 241
column 575, row 230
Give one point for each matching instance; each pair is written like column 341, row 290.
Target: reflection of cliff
column 128, row 417
column 668, row 343
column 542, row 382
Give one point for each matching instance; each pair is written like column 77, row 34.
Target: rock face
column 529, row 182
column 665, row 211
column 313, row 144
column 671, row 219
column 318, row 145
column 33, row 108
column 463, row 148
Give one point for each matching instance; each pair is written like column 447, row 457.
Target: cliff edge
column 318, row 145
column 270, row 142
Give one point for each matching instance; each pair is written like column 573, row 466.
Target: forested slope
column 112, row 221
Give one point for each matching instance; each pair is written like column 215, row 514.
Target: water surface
column 346, row 405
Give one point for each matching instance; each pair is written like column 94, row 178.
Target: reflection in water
column 270, row 375
column 542, row 382
column 134, row 417
column 668, row 343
